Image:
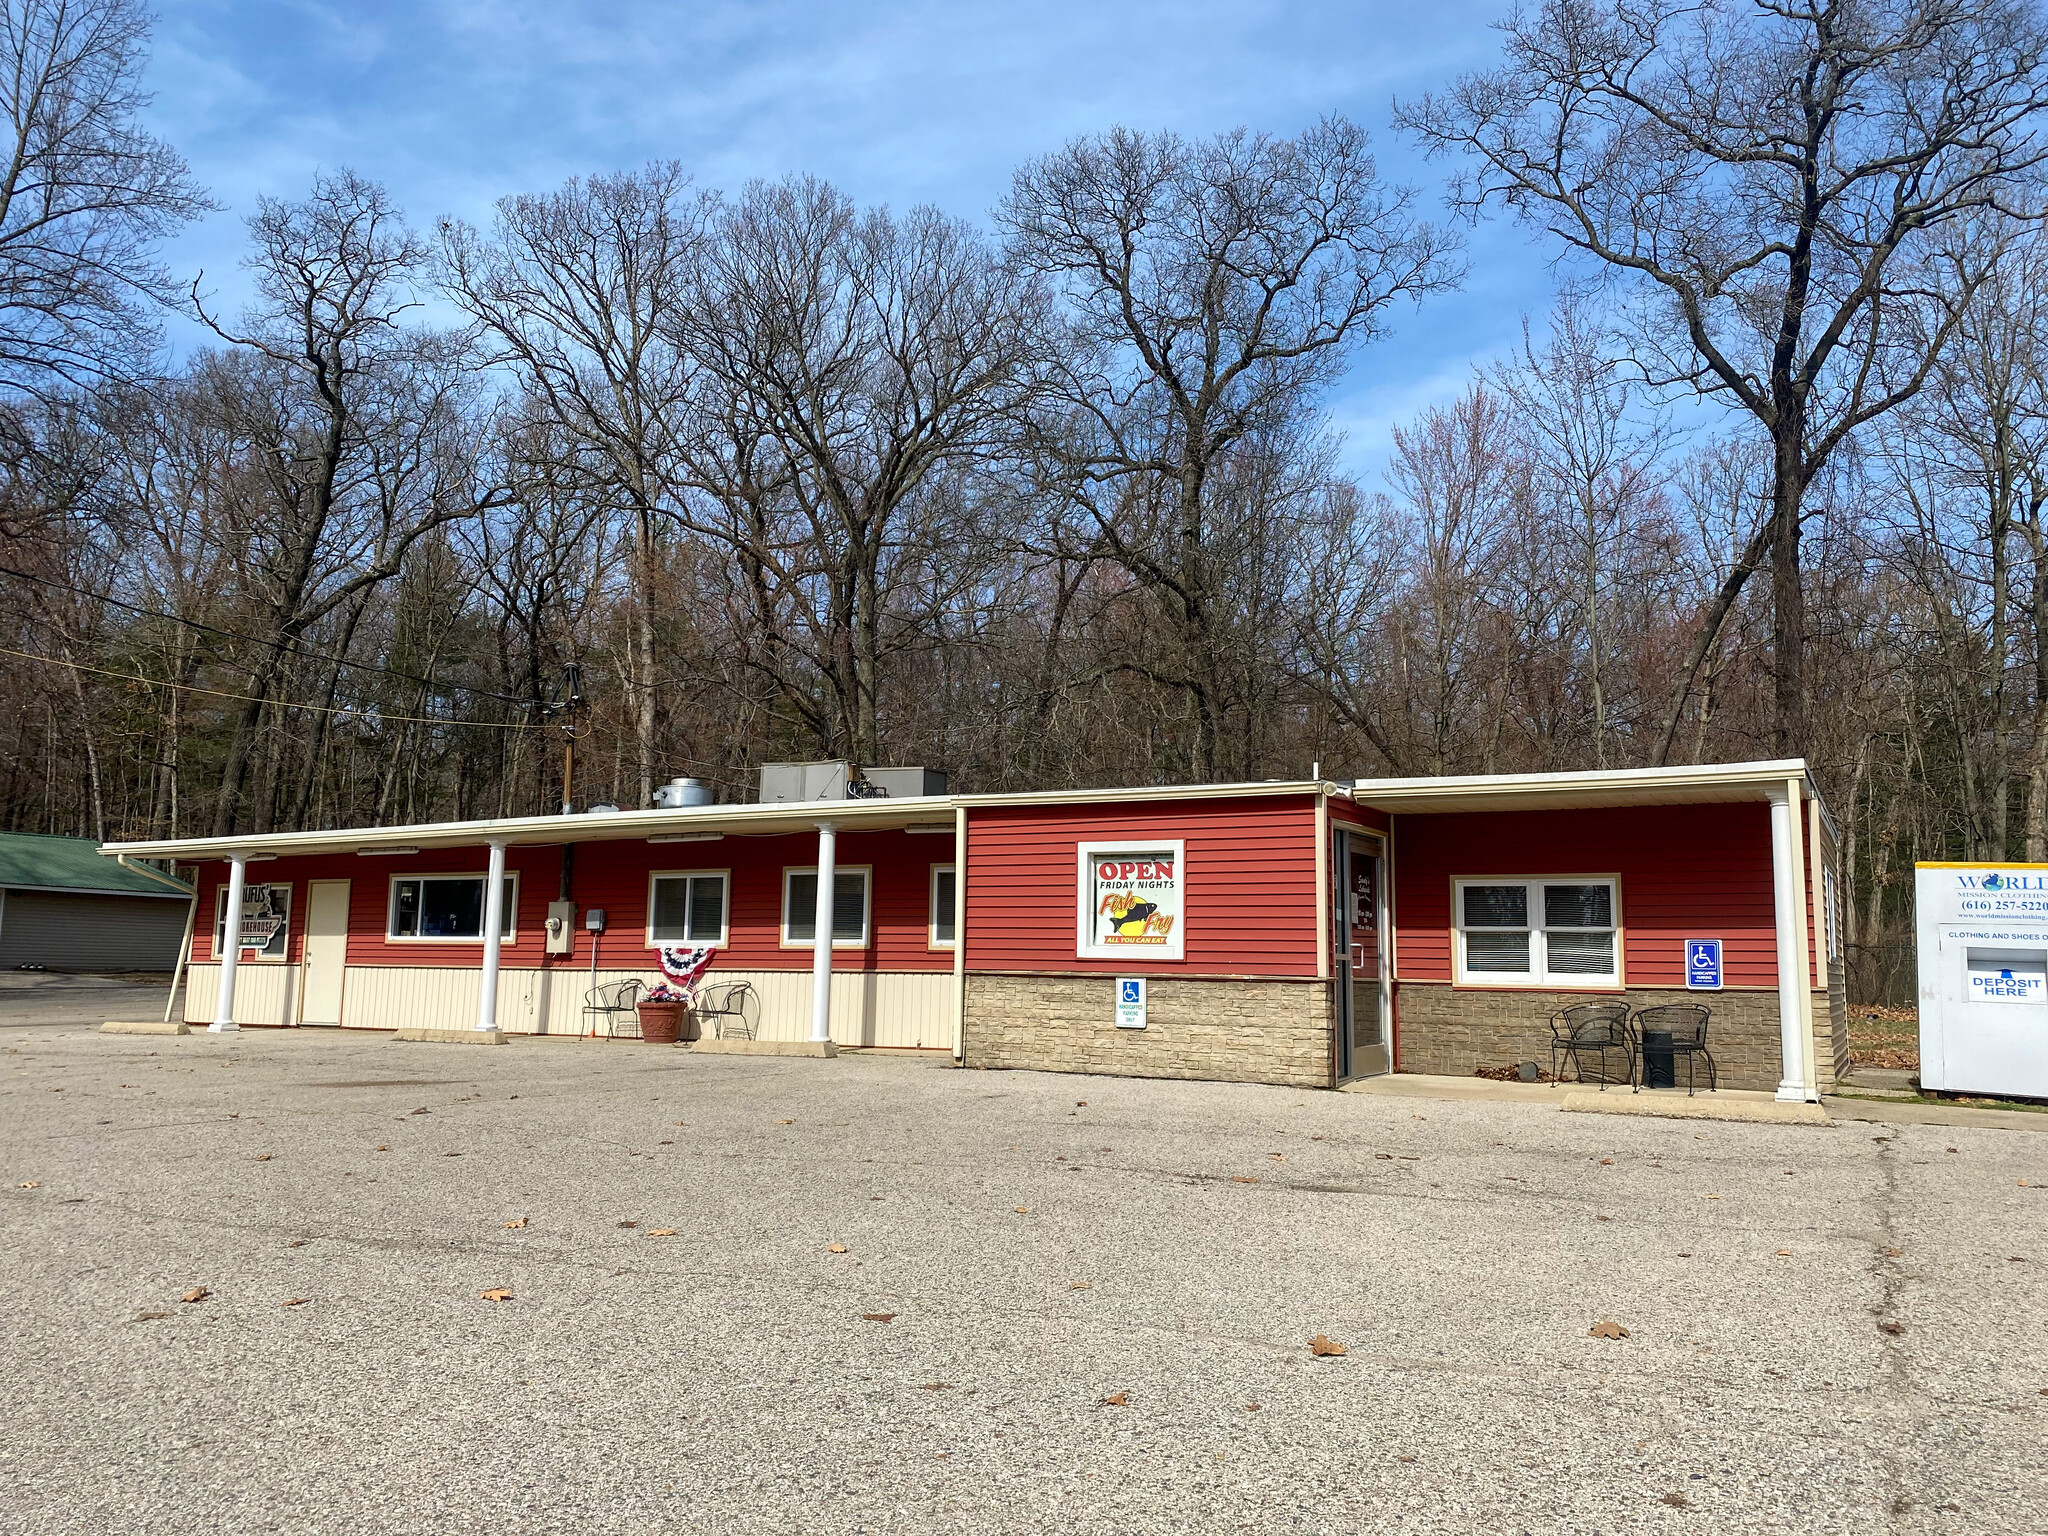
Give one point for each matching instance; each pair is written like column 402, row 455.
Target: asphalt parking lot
column 875, row 1294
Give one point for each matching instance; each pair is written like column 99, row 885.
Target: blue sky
column 456, row 103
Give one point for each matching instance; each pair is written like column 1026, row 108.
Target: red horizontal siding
column 614, row 875
column 1250, row 873
column 1687, row 872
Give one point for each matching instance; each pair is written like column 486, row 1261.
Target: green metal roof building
column 66, row 907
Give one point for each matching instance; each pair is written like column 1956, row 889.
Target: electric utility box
column 1983, row 954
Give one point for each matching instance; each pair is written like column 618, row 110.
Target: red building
column 1299, row 933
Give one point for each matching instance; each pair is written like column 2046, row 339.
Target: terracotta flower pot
column 661, row 1023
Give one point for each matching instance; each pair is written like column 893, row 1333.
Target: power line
column 250, row 698
column 215, row 629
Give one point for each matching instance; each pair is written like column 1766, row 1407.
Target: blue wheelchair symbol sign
column 1130, row 989
column 1703, row 965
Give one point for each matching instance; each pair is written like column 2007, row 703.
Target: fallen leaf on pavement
column 296, row 1301
column 515, row 1224
column 629, row 1224
column 1606, row 1162
column 1892, row 1326
column 421, row 1110
column 1253, row 1407
column 149, row 1317
column 496, row 1293
column 1236, row 1178
column 1117, row 1400
column 785, row 1122
column 381, row 1149
column 262, row 1157
column 1783, row 1253
column 878, row 1317
column 297, row 1242
column 1404, row 1458
column 662, row 1232
column 835, row 1247
column 30, row 1184
column 1383, row 1157
column 1082, row 1285
column 1319, row 1345
column 197, row 1293
column 1607, row 1328
column 1710, row 1197
column 1278, row 1157
column 1676, row 1500
column 938, row 1386
column 1023, row 1210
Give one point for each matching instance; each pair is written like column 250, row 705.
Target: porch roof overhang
column 783, row 818
column 1702, row 784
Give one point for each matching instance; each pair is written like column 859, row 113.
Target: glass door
column 1358, row 867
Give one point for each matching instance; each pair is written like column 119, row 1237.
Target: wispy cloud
column 456, row 103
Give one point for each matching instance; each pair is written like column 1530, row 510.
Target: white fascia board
column 1619, row 786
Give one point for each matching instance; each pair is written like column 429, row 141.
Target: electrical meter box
column 1982, row 932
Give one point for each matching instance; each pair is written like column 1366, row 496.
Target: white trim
column 1539, row 976
column 867, row 905
column 481, row 876
column 246, row 954
column 931, row 918
column 1137, row 956
column 724, row 877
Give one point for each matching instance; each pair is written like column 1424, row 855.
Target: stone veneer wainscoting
column 1453, row 1030
column 1218, row 1031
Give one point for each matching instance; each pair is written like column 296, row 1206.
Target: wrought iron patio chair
column 1684, row 1025
column 615, row 1004
column 1592, row 1029
column 732, row 1011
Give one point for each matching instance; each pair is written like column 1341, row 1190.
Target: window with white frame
column 266, row 921
column 446, row 908
column 849, row 907
column 941, row 926
column 1559, row 931
column 687, row 906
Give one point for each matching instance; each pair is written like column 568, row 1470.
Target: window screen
column 942, row 904
column 849, row 906
column 1537, row 931
column 688, row 909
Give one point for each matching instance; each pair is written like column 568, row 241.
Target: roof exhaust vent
column 676, row 794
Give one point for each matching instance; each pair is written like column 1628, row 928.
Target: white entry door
column 326, row 951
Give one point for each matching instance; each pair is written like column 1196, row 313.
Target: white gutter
column 158, row 875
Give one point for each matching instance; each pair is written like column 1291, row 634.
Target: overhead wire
column 250, row 698
column 280, row 645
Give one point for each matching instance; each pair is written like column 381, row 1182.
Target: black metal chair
column 614, row 1003
column 1592, row 1028
column 733, row 1011
column 1681, row 1030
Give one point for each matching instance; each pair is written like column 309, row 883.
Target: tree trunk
column 1788, row 596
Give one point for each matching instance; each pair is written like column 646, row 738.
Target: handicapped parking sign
column 1130, row 1002
column 1703, row 965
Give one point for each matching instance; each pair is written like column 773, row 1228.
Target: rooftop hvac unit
column 782, row 783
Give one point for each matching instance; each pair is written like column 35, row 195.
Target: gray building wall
column 67, row 931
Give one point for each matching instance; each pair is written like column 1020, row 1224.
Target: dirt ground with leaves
column 309, row 1282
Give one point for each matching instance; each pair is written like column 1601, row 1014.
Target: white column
column 494, row 922
column 231, row 947
column 1792, row 1086
column 821, row 945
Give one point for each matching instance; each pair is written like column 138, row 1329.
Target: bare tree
column 359, row 445
column 84, row 193
column 857, row 382
column 1806, row 193
column 578, row 290
column 1217, row 288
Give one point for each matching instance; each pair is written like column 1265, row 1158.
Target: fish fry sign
column 1131, row 900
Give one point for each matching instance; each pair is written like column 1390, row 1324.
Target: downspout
column 184, row 964
column 960, row 935
column 1794, row 1086
column 230, row 956
column 821, row 936
column 494, row 922
column 191, row 918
